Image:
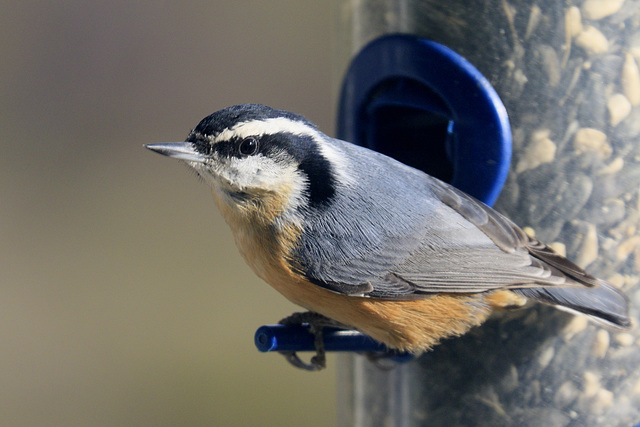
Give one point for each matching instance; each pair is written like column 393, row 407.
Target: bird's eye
column 248, row 146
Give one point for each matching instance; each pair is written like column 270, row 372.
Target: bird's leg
column 317, row 323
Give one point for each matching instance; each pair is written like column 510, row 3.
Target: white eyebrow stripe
column 269, row 126
column 277, row 125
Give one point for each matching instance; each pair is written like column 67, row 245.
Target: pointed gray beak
column 177, row 150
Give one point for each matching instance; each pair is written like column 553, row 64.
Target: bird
column 362, row 240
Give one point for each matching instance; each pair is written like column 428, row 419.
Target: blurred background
column 123, row 300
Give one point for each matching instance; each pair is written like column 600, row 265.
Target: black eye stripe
column 226, row 148
column 234, row 147
column 201, row 145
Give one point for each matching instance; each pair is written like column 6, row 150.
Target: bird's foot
column 316, row 322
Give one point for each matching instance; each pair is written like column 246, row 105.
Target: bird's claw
column 317, row 362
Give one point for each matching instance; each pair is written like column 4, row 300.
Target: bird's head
column 259, row 159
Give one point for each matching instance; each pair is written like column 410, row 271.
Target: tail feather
column 603, row 303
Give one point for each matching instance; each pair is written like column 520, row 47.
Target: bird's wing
column 461, row 246
column 506, row 235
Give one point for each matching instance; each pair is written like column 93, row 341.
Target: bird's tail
column 604, row 303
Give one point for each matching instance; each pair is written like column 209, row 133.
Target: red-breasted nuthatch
column 369, row 242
